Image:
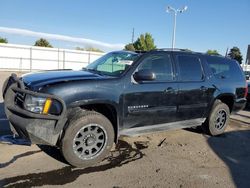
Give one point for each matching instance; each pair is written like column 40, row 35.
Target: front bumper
column 37, row 128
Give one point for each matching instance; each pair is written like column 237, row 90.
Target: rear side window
column 223, row 68
column 190, row 68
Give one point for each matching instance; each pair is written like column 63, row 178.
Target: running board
column 161, row 127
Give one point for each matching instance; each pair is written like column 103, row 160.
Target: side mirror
column 144, row 75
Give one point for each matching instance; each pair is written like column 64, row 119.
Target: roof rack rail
column 140, row 51
column 173, row 49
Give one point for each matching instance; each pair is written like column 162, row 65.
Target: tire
column 218, row 119
column 88, row 139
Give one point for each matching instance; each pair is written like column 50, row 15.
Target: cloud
column 84, row 41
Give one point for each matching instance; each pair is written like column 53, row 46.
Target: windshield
column 114, row 63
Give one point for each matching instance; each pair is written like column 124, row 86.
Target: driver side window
column 160, row 64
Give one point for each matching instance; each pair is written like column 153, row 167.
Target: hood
column 39, row 79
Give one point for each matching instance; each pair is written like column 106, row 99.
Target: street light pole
column 175, row 11
column 174, row 30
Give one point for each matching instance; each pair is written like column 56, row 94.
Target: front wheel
column 88, row 139
column 218, row 119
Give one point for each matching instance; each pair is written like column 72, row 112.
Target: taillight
column 246, row 91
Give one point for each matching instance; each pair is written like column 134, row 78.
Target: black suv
column 123, row 93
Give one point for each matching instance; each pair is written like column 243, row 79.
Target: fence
column 31, row 58
column 246, row 66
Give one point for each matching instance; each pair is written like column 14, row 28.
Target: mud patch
column 3, row 165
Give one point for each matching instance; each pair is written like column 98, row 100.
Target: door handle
column 203, row 88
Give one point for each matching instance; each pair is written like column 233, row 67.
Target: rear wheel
column 88, row 139
column 218, row 119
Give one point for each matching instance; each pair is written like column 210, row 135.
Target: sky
column 207, row 24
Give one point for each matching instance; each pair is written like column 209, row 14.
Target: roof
column 178, row 50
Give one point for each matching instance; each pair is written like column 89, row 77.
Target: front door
column 151, row 102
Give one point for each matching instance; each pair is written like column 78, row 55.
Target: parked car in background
column 248, row 95
column 123, row 93
column 247, row 74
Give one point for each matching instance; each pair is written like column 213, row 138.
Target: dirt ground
column 183, row 158
column 180, row 158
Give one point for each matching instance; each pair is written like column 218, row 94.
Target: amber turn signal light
column 47, row 106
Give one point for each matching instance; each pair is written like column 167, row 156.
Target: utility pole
column 226, row 52
column 133, row 35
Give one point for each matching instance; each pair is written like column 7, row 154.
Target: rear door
column 193, row 89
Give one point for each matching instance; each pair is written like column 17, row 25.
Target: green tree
column 235, row 54
column 212, row 52
column 91, row 49
column 144, row 43
column 130, row 47
column 140, row 44
column 43, row 43
column 3, row 40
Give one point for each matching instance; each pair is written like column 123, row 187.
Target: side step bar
column 161, row 127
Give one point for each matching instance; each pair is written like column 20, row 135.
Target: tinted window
column 160, row 64
column 190, row 68
column 224, row 68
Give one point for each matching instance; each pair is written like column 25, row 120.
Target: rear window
column 190, row 68
column 223, row 68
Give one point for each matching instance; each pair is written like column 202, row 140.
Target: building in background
column 246, row 65
column 248, row 56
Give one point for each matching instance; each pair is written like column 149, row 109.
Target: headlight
column 39, row 105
